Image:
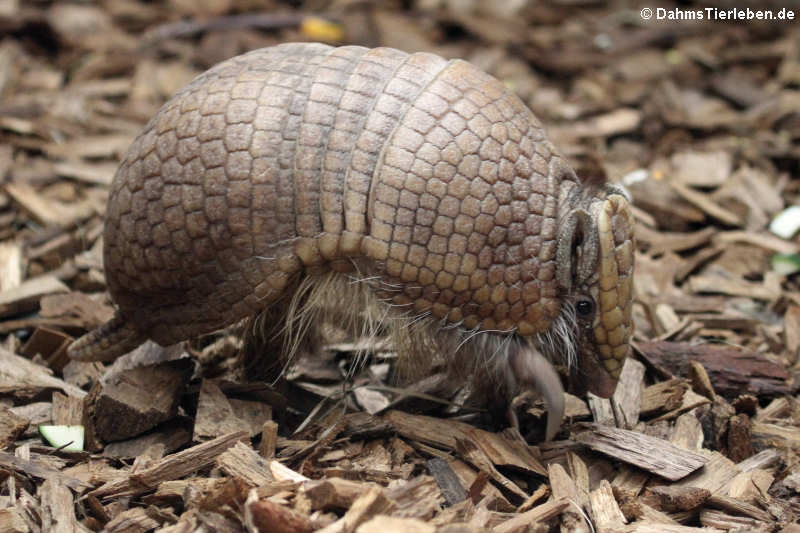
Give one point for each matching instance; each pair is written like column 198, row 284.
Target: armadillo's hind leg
column 111, row 340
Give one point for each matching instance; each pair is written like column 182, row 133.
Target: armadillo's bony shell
column 427, row 175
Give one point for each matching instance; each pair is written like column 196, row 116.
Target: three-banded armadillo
column 424, row 180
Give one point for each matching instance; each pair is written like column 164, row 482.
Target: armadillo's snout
column 613, row 325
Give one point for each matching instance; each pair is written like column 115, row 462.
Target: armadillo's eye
column 584, row 307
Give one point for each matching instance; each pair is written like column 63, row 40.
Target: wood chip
column 10, row 266
column 135, row 519
column 602, row 411
column 663, row 396
column 648, row 453
column 264, row 515
column 58, row 507
column 564, row 488
column 11, row 427
column 37, row 469
column 499, row 449
column 67, row 410
column 671, row 498
column 269, row 438
column 215, row 414
column 20, row 375
column 382, row 524
column 171, row 467
column 448, row 481
column 605, row 510
column 334, row 493
column 719, row 471
column 25, row 297
column 733, row 371
column 368, row 505
column 627, row 399
column 241, row 461
column 47, row 211
column 542, row 513
column 130, row 403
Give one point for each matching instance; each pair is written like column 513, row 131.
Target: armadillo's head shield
column 595, row 269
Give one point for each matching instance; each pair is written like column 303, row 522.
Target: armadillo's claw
column 532, row 370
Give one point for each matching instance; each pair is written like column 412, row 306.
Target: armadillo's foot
column 532, row 370
column 106, row 343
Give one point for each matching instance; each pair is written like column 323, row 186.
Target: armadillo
column 420, row 181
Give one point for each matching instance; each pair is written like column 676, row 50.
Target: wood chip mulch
column 700, row 120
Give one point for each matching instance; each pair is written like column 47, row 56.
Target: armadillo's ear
column 576, row 249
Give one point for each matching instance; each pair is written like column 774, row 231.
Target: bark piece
column 602, row 411
column 689, row 401
column 51, row 345
column 648, row 453
column 76, row 308
column 564, row 487
column 736, row 506
column 58, row 508
column 370, row 504
column 138, row 399
column 67, row 410
column 605, row 510
column 663, row 396
column 448, row 481
column 382, row 524
column 641, row 511
column 740, row 442
column 629, row 482
column 264, row 515
column 170, row 467
column 26, row 296
column 243, row 462
column 732, row 371
column 12, row 521
column 542, row 513
column 473, row 453
column 12, row 427
column 718, row 472
column 706, row 204
column 671, row 499
column 688, row 432
column 751, row 486
column 777, row 436
column 575, row 408
column 479, row 488
column 667, row 528
column 215, row 416
column 724, row 521
column 134, row 520
column 269, row 438
column 627, row 399
column 334, row 493
column 418, row 497
column 38, row 469
column 253, row 413
column 701, row 383
column 10, row 265
column 500, row 449
column 172, row 436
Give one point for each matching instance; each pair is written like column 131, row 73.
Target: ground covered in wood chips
column 699, row 119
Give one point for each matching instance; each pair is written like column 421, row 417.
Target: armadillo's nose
column 613, row 326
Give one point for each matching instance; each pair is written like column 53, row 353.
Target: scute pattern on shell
column 470, row 231
column 428, row 174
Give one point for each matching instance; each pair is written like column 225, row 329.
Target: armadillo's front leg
column 531, row 370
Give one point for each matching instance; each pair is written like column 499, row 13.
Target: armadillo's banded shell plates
column 429, row 173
